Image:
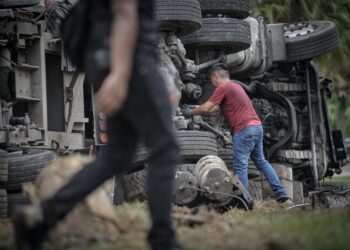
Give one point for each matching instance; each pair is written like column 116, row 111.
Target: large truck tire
column 193, row 146
column 253, row 171
column 231, row 8
column 186, row 168
column 3, row 203
column 256, row 189
column 3, row 166
column 226, row 34
column 181, row 16
column 25, row 167
column 14, row 200
column 7, row 4
column 196, row 144
column 307, row 40
column 139, row 160
column 135, row 186
column 226, row 154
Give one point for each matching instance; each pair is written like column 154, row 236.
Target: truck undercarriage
column 46, row 106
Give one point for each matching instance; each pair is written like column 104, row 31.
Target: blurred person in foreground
column 230, row 98
column 133, row 96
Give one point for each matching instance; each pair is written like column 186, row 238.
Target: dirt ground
column 270, row 226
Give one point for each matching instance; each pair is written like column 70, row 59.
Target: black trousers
column 146, row 114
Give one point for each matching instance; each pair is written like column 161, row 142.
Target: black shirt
column 101, row 17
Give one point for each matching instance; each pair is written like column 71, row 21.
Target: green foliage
column 332, row 111
column 347, row 123
column 338, row 179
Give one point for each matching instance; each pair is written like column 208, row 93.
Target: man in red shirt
column 238, row 110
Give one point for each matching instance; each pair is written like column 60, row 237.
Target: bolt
column 227, row 180
column 217, row 184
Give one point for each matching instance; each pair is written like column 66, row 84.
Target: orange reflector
column 103, row 138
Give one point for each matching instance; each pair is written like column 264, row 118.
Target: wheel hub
column 298, row 29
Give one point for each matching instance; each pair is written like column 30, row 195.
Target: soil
column 270, row 226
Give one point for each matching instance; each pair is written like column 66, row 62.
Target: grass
column 338, row 179
column 327, row 230
column 269, row 227
column 274, row 229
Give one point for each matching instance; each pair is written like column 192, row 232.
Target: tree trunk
column 296, row 10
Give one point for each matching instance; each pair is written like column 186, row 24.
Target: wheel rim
column 298, row 29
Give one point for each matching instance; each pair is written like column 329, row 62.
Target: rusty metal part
column 230, row 197
column 186, row 186
column 214, row 178
column 192, row 91
column 209, row 159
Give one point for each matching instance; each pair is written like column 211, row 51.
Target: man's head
column 219, row 74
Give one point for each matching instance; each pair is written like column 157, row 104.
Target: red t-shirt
column 236, row 106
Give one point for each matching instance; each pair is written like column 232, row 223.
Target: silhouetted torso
column 101, row 17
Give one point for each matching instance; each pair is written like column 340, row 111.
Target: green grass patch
column 315, row 230
column 338, row 179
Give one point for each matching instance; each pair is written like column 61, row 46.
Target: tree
column 337, row 11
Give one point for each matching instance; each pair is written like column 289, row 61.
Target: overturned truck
column 46, row 109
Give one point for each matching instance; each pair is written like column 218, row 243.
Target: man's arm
column 215, row 109
column 124, row 31
column 205, row 108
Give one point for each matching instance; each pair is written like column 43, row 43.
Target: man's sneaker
column 29, row 230
column 283, row 199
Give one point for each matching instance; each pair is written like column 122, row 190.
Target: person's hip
column 250, row 129
column 248, row 133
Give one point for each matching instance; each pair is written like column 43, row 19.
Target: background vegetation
column 334, row 65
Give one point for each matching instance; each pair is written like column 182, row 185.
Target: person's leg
column 264, row 166
column 150, row 111
column 112, row 160
column 33, row 222
column 243, row 143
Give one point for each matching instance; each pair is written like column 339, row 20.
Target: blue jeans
column 249, row 143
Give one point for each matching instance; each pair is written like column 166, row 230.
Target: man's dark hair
column 220, row 69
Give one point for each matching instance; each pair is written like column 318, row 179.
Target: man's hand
column 186, row 110
column 206, row 108
column 112, row 94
